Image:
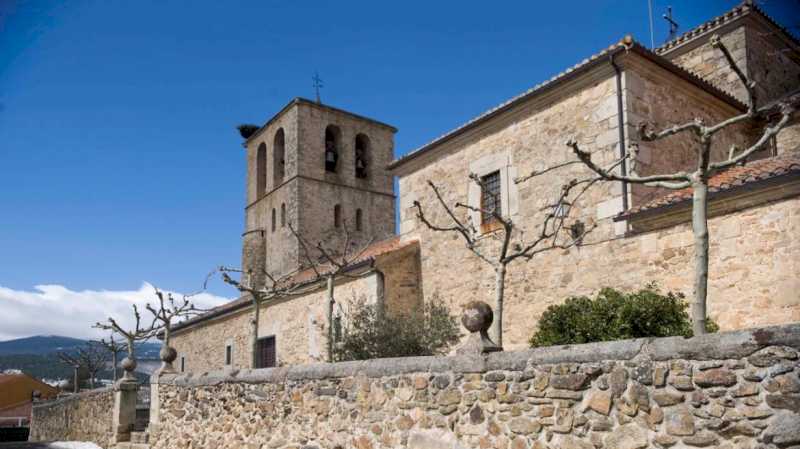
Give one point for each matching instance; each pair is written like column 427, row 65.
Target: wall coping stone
column 73, row 397
column 717, row 346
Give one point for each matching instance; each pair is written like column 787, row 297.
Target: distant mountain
column 49, row 344
column 38, row 357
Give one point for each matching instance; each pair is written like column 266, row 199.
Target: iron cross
column 317, row 84
column 673, row 25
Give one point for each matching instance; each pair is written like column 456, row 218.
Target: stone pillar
column 124, row 409
column 477, row 318
column 155, row 407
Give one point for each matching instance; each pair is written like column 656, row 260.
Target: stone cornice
column 724, row 345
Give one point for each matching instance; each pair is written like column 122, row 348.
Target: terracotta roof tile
column 734, row 177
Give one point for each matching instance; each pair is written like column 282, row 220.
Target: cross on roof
column 673, row 25
column 317, row 84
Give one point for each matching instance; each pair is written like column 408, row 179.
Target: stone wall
column 763, row 54
column 731, row 390
column 86, row 416
column 658, row 97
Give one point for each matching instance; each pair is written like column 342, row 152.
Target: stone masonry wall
column 86, row 416
column 663, row 99
column 762, row 55
column 298, row 324
column 731, row 390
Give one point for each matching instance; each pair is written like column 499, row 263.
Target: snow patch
column 72, row 445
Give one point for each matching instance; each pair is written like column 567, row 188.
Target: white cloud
column 57, row 310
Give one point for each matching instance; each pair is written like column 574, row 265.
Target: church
column 326, row 174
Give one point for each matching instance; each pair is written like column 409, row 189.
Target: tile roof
column 625, row 44
column 733, row 178
column 308, row 276
column 704, row 28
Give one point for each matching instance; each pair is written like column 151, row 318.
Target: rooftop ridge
column 736, row 12
column 627, row 43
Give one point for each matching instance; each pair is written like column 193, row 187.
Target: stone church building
column 330, row 173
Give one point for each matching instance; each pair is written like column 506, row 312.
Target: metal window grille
column 266, row 352
column 490, row 196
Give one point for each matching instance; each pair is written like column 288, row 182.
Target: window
column 490, row 197
column 362, row 156
column 183, row 364
column 283, row 215
column 228, row 355
column 278, row 158
column 337, row 216
column 266, row 356
column 337, row 328
column 261, row 171
column 358, row 219
column 332, row 137
column 273, row 219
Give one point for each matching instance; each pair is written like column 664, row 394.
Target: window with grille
column 228, row 354
column 490, row 196
column 266, row 352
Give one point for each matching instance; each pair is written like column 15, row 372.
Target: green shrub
column 614, row 315
column 370, row 334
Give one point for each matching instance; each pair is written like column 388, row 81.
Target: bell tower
column 322, row 169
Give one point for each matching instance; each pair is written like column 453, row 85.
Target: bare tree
column 167, row 311
column 513, row 244
column 331, row 264
column 91, row 357
column 132, row 335
column 114, row 348
column 274, row 288
column 777, row 115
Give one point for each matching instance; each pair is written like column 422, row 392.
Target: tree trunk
column 75, row 381
column 700, row 230
column 114, row 365
column 499, row 292
column 329, row 317
column 254, row 332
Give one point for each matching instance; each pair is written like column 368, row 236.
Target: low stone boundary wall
column 85, row 416
column 728, row 390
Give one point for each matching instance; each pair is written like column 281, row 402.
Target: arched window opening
column 261, row 170
column 358, row 219
column 273, row 219
column 332, row 138
column 279, row 157
column 337, row 216
column 362, row 155
column 283, row 215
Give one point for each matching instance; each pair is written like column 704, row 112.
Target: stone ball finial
column 168, row 354
column 477, row 316
column 128, row 364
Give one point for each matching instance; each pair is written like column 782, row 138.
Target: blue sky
column 119, row 161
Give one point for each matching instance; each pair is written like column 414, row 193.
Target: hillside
column 49, row 344
column 38, row 357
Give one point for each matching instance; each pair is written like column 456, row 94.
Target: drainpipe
column 623, row 152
